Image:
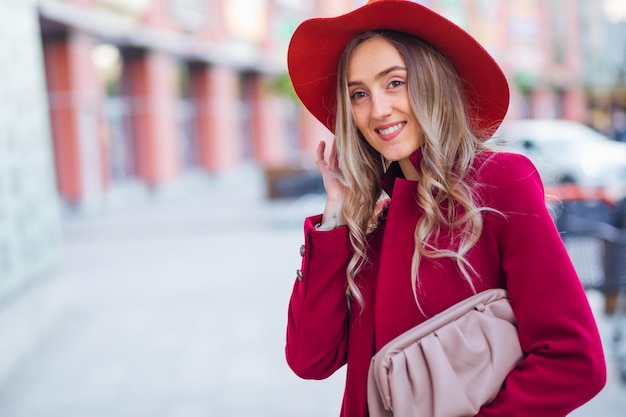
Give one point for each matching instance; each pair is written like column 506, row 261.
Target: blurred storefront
column 143, row 91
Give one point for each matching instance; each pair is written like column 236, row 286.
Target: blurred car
column 567, row 152
column 293, row 180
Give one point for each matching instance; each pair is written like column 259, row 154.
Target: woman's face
column 377, row 86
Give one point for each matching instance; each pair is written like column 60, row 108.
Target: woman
column 411, row 97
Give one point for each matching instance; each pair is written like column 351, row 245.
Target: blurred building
column 604, row 48
column 564, row 58
column 29, row 210
column 538, row 44
column 29, row 206
column 144, row 91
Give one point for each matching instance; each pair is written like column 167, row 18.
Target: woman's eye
column 357, row 95
column 396, row 83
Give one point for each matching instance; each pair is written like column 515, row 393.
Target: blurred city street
column 176, row 307
column 162, row 288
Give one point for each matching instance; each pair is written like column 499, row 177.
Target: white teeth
column 390, row 130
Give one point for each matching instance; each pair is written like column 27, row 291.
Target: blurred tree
column 281, row 84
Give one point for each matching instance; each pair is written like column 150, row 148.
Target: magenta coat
column 521, row 251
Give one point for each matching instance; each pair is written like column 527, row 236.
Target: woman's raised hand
column 334, row 184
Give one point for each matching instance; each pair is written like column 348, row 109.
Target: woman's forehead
column 372, row 58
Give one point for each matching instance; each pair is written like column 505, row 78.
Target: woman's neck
column 409, row 170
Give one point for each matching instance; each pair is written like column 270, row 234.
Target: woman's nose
column 381, row 107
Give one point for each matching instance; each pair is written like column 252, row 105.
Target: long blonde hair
column 450, row 146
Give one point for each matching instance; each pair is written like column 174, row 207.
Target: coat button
column 302, row 249
column 299, row 274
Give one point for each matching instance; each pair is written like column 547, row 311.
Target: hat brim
column 317, row 44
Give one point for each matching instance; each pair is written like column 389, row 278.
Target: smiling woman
column 420, row 214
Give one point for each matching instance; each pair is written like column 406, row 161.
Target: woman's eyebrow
column 379, row 75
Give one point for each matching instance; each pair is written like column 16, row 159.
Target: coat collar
column 394, row 171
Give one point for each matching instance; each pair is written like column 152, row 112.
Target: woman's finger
column 321, row 160
column 333, row 158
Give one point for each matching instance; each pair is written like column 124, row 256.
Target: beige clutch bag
column 450, row 365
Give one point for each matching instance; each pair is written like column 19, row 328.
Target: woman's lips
column 389, row 132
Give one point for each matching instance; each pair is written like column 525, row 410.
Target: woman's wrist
column 329, row 223
column 333, row 215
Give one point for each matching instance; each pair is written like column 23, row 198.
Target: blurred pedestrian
column 421, row 214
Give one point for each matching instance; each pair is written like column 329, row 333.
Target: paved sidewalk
column 177, row 308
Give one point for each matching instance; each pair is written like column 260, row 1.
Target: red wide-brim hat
column 317, row 44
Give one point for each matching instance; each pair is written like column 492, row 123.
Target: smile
column 391, row 129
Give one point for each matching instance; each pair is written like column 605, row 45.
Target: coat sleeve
column 317, row 323
column 564, row 365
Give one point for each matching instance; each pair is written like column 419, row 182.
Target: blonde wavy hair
column 445, row 191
